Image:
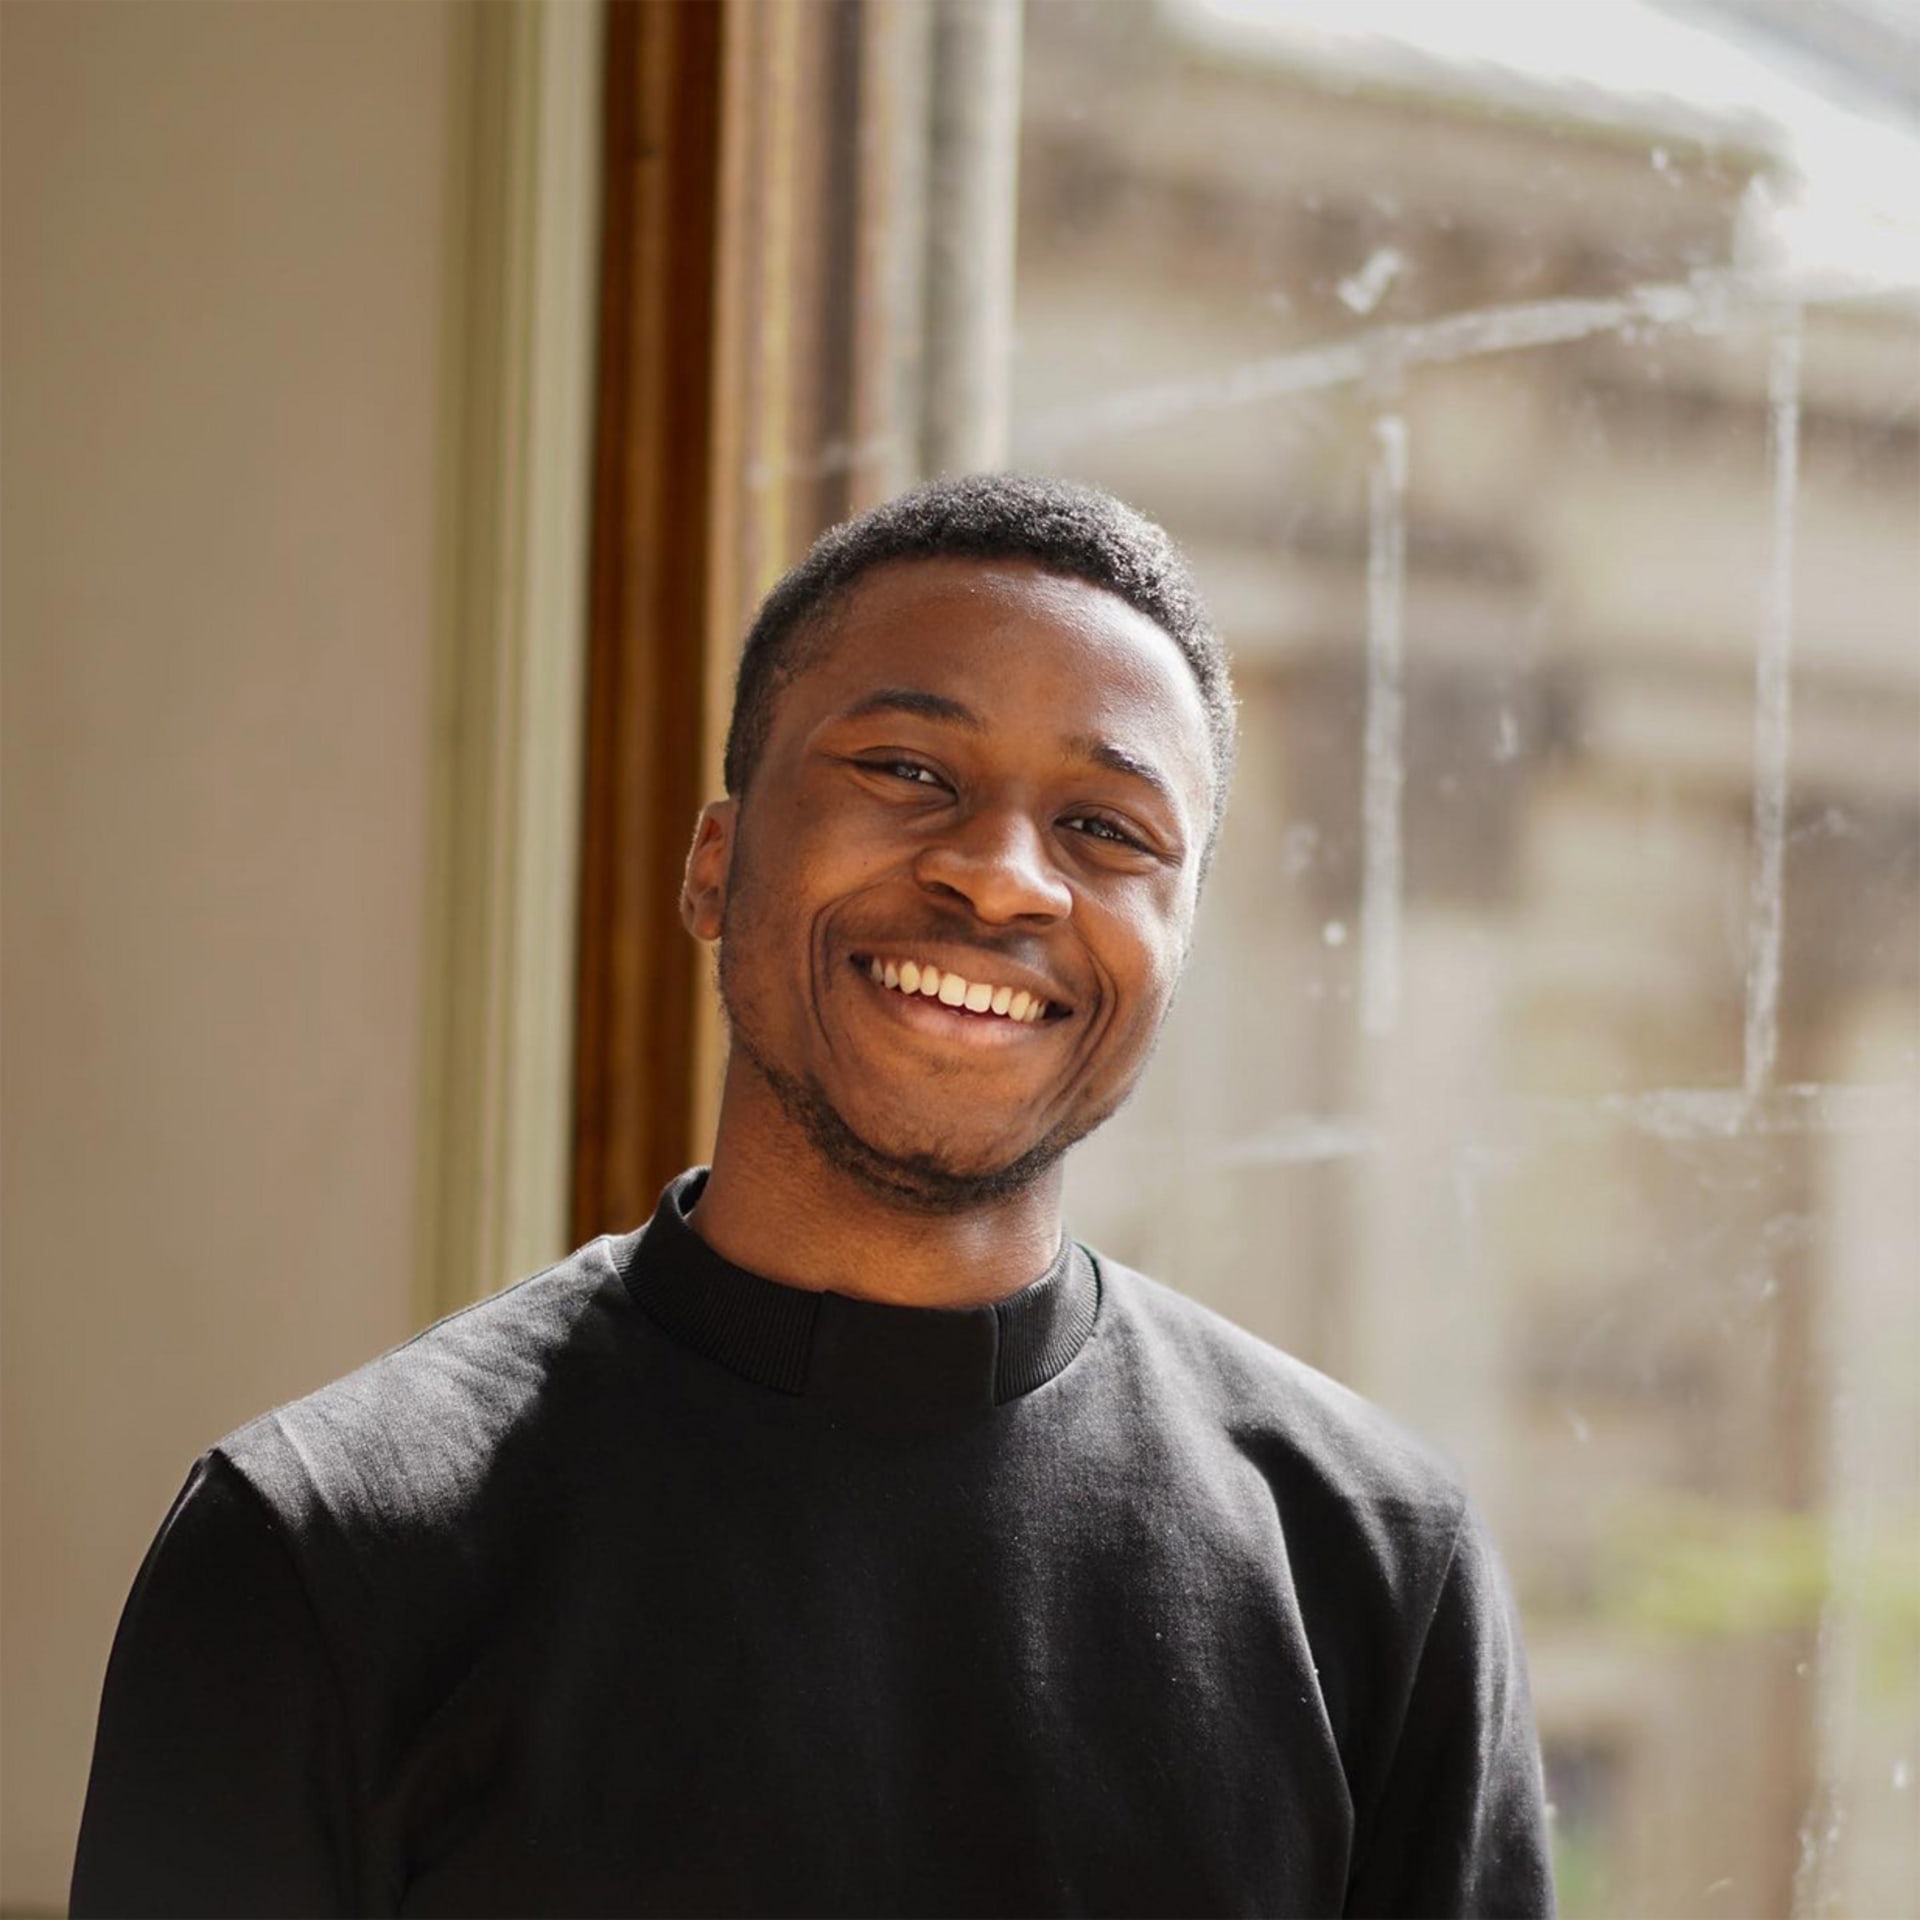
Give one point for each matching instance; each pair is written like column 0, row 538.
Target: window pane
column 1542, row 421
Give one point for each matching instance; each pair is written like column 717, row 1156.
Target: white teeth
column 951, row 990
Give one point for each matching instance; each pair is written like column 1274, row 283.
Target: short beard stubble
column 919, row 1182
column 914, row 1182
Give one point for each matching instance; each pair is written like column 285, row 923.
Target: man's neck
column 775, row 1205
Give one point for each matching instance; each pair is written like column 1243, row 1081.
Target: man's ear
column 703, row 894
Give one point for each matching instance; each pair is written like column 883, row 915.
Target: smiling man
column 849, row 1540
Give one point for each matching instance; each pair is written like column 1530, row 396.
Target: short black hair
column 1075, row 531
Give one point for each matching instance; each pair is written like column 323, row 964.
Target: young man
column 849, row 1541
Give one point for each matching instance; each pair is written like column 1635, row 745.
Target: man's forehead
column 959, row 642
column 960, row 619
column 1014, row 580
column 944, row 613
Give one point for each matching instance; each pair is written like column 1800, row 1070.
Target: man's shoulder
column 409, row 1430
column 1301, row 1428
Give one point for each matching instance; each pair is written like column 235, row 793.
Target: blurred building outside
column 1550, row 1065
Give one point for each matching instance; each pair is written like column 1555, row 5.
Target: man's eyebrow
column 1091, row 748
column 917, row 702
column 1103, row 753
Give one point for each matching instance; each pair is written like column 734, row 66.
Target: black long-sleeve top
column 652, row 1587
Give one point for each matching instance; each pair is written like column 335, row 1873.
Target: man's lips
column 958, row 1009
column 953, row 1027
column 974, row 981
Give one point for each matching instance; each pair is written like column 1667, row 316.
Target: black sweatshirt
column 652, row 1587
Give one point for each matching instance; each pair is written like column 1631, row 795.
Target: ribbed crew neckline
column 922, row 1361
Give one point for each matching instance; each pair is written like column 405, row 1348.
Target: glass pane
column 1549, row 1069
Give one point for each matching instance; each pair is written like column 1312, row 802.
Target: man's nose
column 999, row 862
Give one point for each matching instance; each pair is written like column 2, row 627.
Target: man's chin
column 929, row 1175
column 922, row 1184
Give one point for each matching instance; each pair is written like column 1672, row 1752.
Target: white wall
column 221, row 313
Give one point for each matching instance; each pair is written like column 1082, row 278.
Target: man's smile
column 988, row 985
column 973, row 1008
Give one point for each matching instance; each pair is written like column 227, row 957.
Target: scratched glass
column 1535, row 390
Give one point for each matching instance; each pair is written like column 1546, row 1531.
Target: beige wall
column 224, row 257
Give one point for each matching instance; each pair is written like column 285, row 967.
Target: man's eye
column 1098, row 827
column 907, row 770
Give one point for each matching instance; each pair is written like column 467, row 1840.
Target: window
column 1541, row 418
column 1535, row 390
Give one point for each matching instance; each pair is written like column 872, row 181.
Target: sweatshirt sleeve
column 1459, row 1827
column 221, row 1778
